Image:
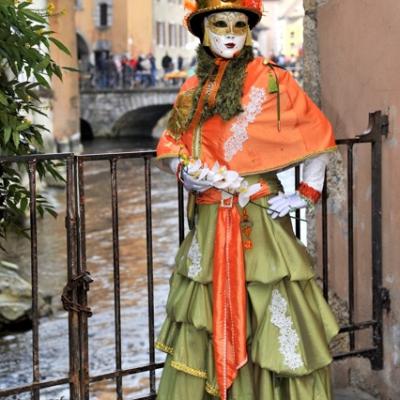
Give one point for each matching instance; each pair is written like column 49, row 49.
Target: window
column 172, row 35
column 161, row 34
column 182, row 41
column 103, row 14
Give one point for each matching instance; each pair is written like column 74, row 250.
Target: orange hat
column 198, row 9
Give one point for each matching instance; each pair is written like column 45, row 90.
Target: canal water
column 15, row 349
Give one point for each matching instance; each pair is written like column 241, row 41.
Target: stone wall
column 103, row 110
column 352, row 66
column 66, row 129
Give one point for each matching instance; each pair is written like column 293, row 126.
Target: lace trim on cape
column 239, row 128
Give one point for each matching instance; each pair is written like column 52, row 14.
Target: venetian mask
column 226, row 32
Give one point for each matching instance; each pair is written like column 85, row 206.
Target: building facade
column 132, row 28
column 281, row 29
column 110, row 27
column 62, row 105
column 170, row 36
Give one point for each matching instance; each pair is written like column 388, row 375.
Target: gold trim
column 197, row 140
column 179, row 365
column 163, row 347
column 169, row 155
column 226, row 7
column 189, row 370
column 212, row 389
column 254, row 13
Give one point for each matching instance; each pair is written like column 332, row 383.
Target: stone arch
column 110, row 112
column 86, row 130
column 140, row 122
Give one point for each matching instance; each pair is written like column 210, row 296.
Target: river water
column 15, row 349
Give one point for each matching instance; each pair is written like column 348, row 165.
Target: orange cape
column 251, row 142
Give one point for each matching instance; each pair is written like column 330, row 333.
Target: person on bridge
column 246, row 319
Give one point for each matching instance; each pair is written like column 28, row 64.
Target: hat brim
column 195, row 20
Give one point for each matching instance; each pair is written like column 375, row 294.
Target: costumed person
column 246, row 319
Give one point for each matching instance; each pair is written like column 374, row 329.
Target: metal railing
column 74, row 296
column 378, row 127
column 75, row 292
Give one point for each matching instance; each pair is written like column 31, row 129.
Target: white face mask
column 227, row 32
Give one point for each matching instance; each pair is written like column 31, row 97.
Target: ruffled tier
column 288, row 330
column 289, row 323
column 252, row 383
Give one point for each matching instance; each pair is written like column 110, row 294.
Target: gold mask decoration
column 225, row 23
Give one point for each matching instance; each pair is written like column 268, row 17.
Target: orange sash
column 229, row 288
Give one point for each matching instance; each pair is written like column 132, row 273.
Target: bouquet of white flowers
column 229, row 182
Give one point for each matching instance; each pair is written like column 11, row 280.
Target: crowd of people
column 121, row 72
column 115, row 71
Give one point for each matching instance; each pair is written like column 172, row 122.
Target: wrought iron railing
column 74, row 296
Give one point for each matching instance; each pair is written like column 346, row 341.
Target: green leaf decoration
column 272, row 84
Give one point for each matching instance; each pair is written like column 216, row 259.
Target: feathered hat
column 198, row 9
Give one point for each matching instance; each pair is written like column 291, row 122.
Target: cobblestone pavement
column 352, row 394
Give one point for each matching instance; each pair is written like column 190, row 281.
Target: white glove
column 192, row 184
column 282, row 204
column 313, row 176
column 173, row 164
column 169, row 165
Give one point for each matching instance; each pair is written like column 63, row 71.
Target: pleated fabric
column 289, row 323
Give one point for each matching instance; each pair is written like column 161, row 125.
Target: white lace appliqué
column 288, row 338
column 239, row 128
column 194, row 256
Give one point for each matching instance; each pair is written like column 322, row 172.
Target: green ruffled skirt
column 289, row 323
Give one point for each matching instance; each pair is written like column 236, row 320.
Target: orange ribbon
column 229, row 289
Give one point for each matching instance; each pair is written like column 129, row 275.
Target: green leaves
column 60, row 45
column 26, row 66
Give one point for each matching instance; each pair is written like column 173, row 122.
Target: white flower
column 216, row 173
column 194, row 168
column 246, row 191
column 204, row 172
column 228, row 181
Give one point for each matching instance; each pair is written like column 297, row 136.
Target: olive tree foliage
column 26, row 68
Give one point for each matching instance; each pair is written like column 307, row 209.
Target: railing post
column 34, row 278
column 181, row 217
column 150, row 279
column 82, row 294
column 117, row 278
column 73, row 314
column 378, row 127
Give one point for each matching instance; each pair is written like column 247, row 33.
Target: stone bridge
column 124, row 112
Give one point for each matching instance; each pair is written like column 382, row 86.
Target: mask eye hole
column 220, row 24
column 240, row 24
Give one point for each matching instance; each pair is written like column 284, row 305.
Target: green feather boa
column 228, row 101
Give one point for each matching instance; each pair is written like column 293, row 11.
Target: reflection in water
column 15, row 349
